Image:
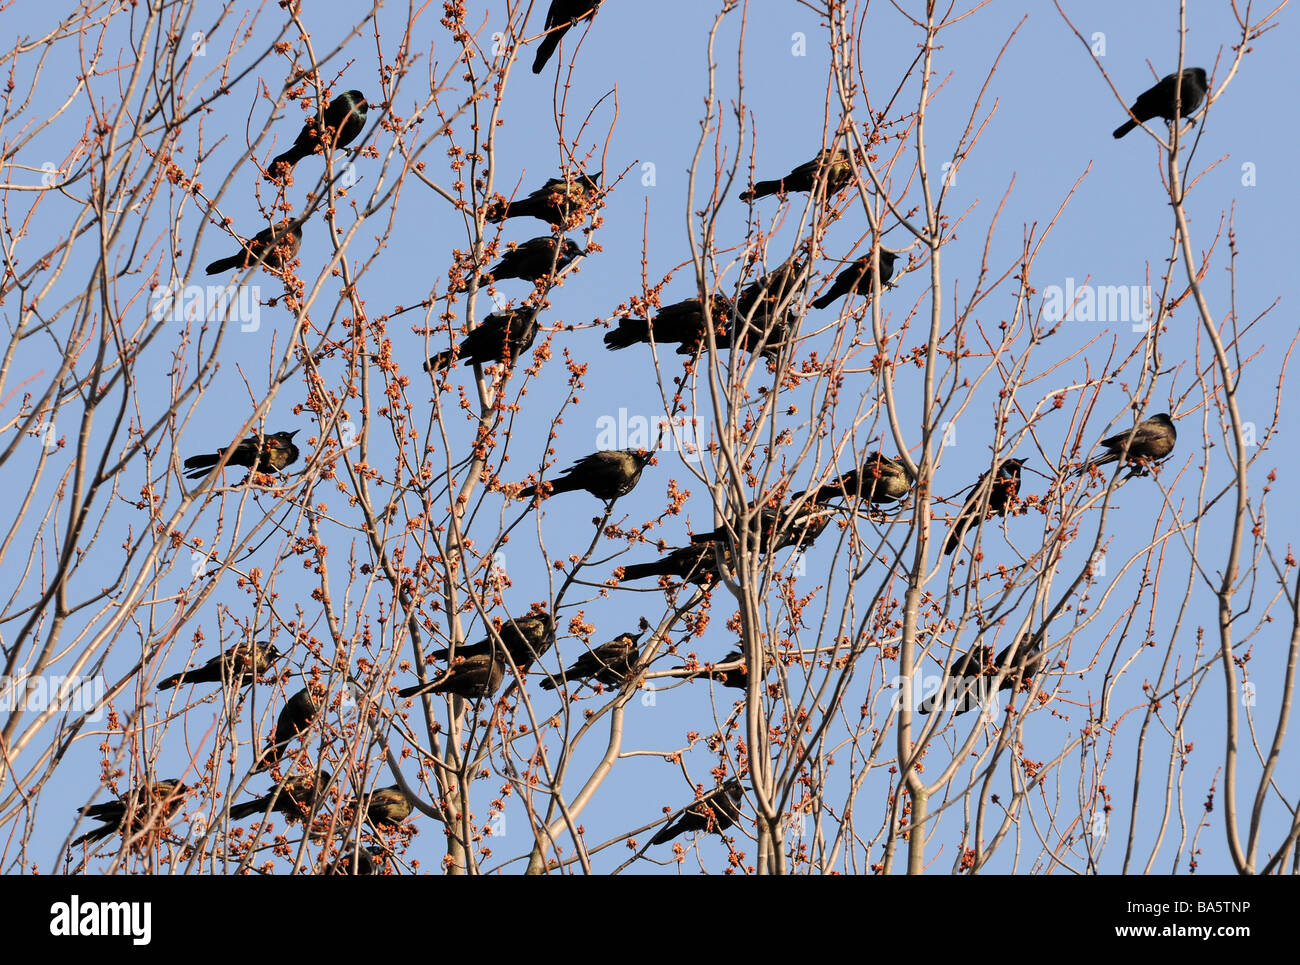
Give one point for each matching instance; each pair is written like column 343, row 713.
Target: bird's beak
column 294, row 433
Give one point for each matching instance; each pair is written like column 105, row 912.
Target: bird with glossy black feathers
column 857, row 278
column 295, row 717
column 500, row 337
column 1147, row 442
column 611, row 664
column 473, row 677
column 776, row 529
column 969, row 682
column 272, row 247
column 240, row 665
column 607, row 474
column 264, row 454
column 556, row 202
column 681, row 323
column 695, row 563
column 388, row 807
column 134, row 813
column 358, row 861
column 344, row 118
column 764, row 318
column 562, row 15
column 731, row 671
column 1174, row 92
column 878, row 480
column 294, row 798
column 483, row 664
column 833, row 166
column 715, row 811
column 533, row 260
column 995, row 488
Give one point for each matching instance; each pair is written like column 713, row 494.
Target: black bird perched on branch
column 388, row 806
column 611, row 663
column 1148, row 441
column 344, row 118
column 833, row 165
column 296, row 716
column 878, row 480
column 294, row 800
column 607, row 474
column 263, row 454
column 500, row 336
column 562, row 15
column 695, row 563
column 366, row 862
column 681, row 323
column 241, row 664
column 472, row 677
column 533, row 260
column 731, row 671
column 273, row 247
column 715, row 811
column 555, row 202
column 857, row 278
column 999, row 491
column 969, row 681
column 763, row 313
column 789, row 527
column 161, row 800
column 480, row 667
column 1159, row 101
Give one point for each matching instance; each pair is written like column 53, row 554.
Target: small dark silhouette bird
column 731, row 671
column 533, row 260
column 878, row 480
column 295, row 798
column 267, row 454
column 241, row 664
column 969, row 683
column 1000, row 490
column 607, row 474
column 1159, row 101
column 833, row 165
column 1148, row 441
column 344, row 118
column 473, row 677
column 612, row 664
column 857, row 278
column 360, row 861
column 562, row 15
column 695, row 563
column 500, row 336
column 136, row 812
column 273, row 247
column 387, row 807
column 681, row 323
column 555, row 202
column 790, row 527
column 715, row 811
column 296, row 717
column 764, row 316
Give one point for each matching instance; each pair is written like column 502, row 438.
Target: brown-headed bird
column 294, row 798
column 387, row 807
column 533, row 260
column 1148, row 441
column 857, row 278
column 611, row 664
column 969, row 682
column 833, row 165
column 500, row 336
column 1170, row 94
column 344, row 118
column 295, row 717
column 998, row 487
column 681, row 323
column 562, row 15
column 607, row 474
column 241, row 664
column 264, row 454
column 273, row 247
column 878, row 480
column 715, row 811
column 129, row 815
column 555, row 202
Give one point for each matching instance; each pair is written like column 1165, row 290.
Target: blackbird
column 480, row 667
column 473, row 677
column 1148, row 441
column 562, row 15
column 857, row 278
column 344, row 118
column 611, row 663
column 789, row 528
column 296, row 717
column 681, row 322
column 267, row 454
column 1159, row 101
column 878, row 480
column 533, row 260
column 162, row 800
column 241, row 664
column 736, row 677
column 360, row 861
column 833, row 165
column 607, row 474
column 695, row 563
column 500, row 336
column 273, row 247
column 998, row 491
column 968, row 682
column 715, row 811
column 763, row 314
column 555, row 202
column 387, row 807
column 294, row 799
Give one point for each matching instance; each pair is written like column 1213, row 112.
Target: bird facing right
column 1160, row 100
